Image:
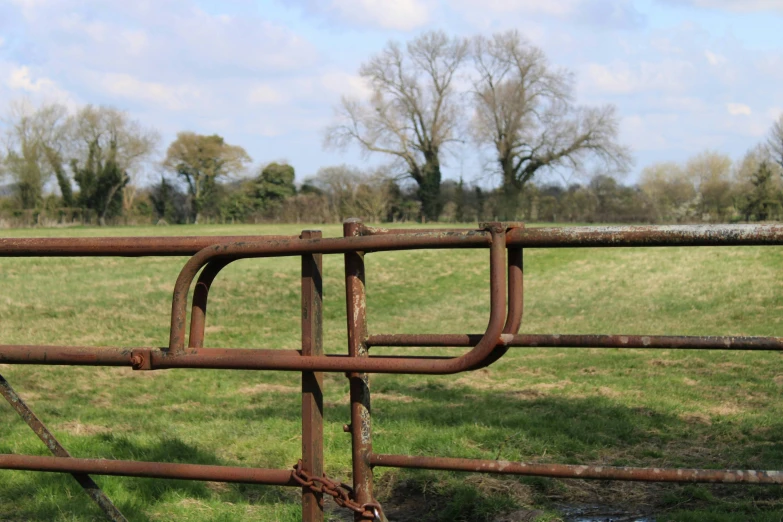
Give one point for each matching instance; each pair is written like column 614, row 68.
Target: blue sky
column 685, row 75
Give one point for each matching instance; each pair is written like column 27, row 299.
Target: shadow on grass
column 440, row 420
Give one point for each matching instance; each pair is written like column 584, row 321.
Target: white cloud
column 341, row 83
column 738, row 109
column 171, row 97
column 624, row 78
column 265, row 94
column 601, row 13
column 136, row 41
column 714, row 59
column 732, row 5
column 401, row 15
column 20, row 79
column 560, row 8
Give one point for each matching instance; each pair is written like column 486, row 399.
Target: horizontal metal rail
column 675, row 342
column 395, row 239
column 116, row 246
column 647, row 236
column 265, row 359
column 163, row 470
column 579, row 472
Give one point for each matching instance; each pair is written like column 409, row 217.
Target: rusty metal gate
column 505, row 243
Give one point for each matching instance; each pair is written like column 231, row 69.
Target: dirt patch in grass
column 408, row 501
column 696, row 418
column 263, row 387
column 664, row 363
column 611, row 393
column 217, row 487
column 79, row 428
column 726, row 409
column 547, row 386
column 185, row 406
column 394, row 397
column 592, row 370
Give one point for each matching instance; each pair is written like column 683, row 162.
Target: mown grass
column 611, row 407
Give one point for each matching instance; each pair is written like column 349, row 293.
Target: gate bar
column 115, row 246
column 393, row 239
column 163, row 470
column 292, row 360
column 675, row 342
column 579, row 472
column 359, row 383
column 312, row 382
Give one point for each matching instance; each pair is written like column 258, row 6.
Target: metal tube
column 198, row 309
column 163, row 470
column 116, row 246
column 47, row 437
column 675, row 342
column 579, row 472
column 411, row 365
column 292, row 360
column 312, row 382
column 647, row 236
column 361, row 416
column 545, row 237
column 382, row 231
column 515, row 303
column 216, row 358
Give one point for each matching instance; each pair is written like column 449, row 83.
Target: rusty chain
column 341, row 493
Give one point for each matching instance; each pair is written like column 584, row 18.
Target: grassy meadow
column 611, row 407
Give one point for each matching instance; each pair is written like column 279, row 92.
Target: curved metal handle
column 198, row 308
column 424, row 365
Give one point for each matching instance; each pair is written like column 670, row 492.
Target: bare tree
column 775, row 141
column 201, row 160
column 352, row 193
column 671, row 191
column 524, row 110
column 372, row 198
column 413, row 111
column 34, row 140
column 108, row 146
column 711, row 173
column 338, row 184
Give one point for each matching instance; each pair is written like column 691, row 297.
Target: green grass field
column 612, row 407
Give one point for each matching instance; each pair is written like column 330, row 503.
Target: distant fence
column 505, row 243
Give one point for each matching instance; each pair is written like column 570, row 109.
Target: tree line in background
column 499, row 94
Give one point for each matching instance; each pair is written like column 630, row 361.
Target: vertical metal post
column 312, row 382
column 361, row 425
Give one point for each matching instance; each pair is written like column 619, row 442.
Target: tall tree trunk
column 510, row 192
column 429, row 189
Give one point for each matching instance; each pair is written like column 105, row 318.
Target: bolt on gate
column 505, row 243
